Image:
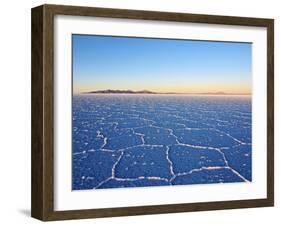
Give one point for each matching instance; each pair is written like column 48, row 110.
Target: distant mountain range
column 116, row 91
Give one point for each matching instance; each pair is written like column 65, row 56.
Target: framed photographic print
column 141, row 112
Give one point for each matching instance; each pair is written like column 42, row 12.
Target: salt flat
column 156, row 140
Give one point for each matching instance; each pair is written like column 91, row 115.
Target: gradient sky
column 160, row 65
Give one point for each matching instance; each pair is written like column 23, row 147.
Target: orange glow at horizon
column 236, row 88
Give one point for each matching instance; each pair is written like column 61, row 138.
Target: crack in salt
column 142, row 145
column 112, row 172
column 238, row 174
column 115, row 164
column 209, row 168
column 223, row 155
column 100, row 135
column 141, row 178
column 139, row 134
column 170, row 161
column 103, row 182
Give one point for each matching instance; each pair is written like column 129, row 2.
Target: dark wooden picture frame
column 42, row 203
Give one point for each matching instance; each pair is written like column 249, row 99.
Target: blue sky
column 161, row 65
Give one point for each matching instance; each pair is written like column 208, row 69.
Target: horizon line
column 202, row 94
column 146, row 92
